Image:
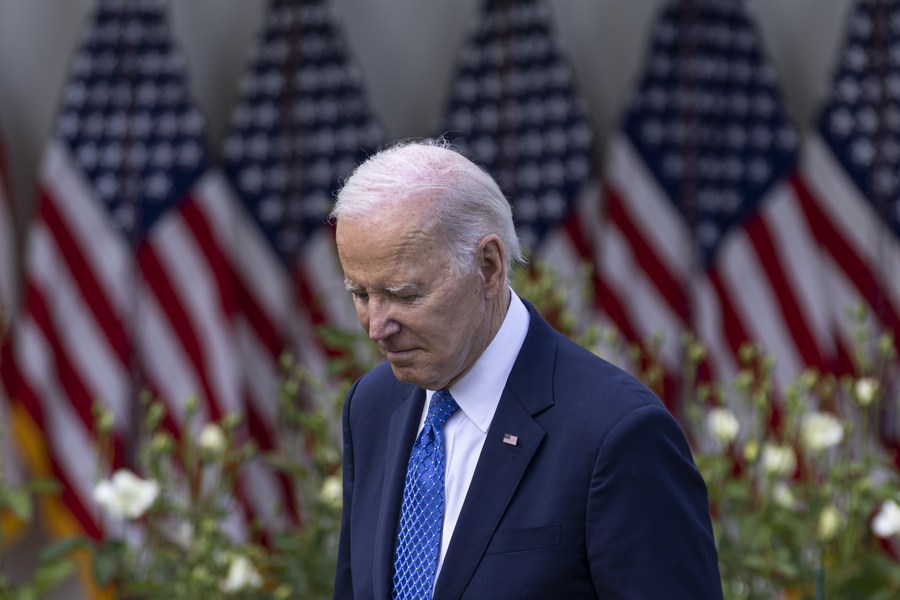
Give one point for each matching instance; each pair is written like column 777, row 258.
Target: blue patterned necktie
column 422, row 513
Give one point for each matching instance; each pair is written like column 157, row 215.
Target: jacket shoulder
column 378, row 390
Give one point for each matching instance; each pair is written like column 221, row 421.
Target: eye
column 406, row 296
column 360, row 296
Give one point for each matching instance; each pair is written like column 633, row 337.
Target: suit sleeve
column 648, row 527
column 343, row 581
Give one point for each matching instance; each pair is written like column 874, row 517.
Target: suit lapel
column 499, row 470
column 401, row 436
column 501, row 465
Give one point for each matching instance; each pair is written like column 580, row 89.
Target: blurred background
column 406, row 51
column 168, row 167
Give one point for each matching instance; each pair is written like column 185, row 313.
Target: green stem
column 820, row 580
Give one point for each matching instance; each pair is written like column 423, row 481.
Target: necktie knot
column 440, row 409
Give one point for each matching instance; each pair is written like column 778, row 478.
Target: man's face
column 430, row 325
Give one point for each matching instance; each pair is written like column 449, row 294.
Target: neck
column 494, row 315
column 497, row 309
column 503, row 300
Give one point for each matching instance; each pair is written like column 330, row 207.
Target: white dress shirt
column 478, row 394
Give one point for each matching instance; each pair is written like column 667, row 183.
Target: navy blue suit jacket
column 599, row 498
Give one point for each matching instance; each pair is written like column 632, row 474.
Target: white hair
column 467, row 202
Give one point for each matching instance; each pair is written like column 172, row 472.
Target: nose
column 381, row 323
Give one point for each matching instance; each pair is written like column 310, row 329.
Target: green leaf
column 106, row 562
column 43, row 487
column 49, row 576
column 62, row 548
column 19, row 502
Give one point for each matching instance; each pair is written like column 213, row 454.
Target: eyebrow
column 406, row 288
column 400, row 288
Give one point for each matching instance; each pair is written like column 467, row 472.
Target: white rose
column 865, row 390
column 722, row 424
column 212, row 439
column 778, row 460
column 126, row 494
column 829, row 522
column 887, row 522
column 332, row 491
column 241, row 575
column 783, row 496
column 182, row 534
column 819, row 431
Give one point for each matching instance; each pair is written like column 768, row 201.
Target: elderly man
column 491, row 457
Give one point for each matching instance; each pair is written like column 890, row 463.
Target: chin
column 410, row 376
column 405, row 374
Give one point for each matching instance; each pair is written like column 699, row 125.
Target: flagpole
column 687, row 56
column 881, row 201
column 131, row 198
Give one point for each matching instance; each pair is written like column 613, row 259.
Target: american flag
column 300, row 127
column 127, row 283
column 852, row 169
column 514, row 109
column 704, row 228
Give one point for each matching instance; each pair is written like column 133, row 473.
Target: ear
column 492, row 265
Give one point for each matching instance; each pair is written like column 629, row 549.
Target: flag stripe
column 853, row 266
column 731, row 324
column 801, row 257
column 719, row 363
column 265, row 330
column 57, row 293
column 264, row 432
column 34, row 360
column 70, row 252
column 650, row 207
column 208, row 245
column 754, row 299
column 74, row 388
column 101, row 246
column 791, row 316
column 651, row 314
column 203, row 300
column 667, row 285
column 165, row 365
column 159, row 281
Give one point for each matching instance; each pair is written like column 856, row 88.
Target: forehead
column 395, row 247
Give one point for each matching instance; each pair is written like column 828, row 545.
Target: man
column 555, row 475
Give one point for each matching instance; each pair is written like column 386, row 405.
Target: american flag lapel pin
column 512, row 440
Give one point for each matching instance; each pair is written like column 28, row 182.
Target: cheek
column 459, row 331
column 362, row 314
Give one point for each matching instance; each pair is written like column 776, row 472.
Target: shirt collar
column 478, row 392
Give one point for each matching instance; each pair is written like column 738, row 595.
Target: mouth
column 398, row 356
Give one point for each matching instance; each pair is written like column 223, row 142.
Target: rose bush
column 805, row 501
